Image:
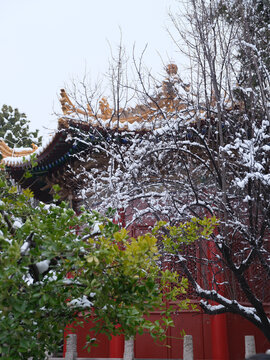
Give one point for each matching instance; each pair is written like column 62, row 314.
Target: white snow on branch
column 43, row 266
column 82, row 302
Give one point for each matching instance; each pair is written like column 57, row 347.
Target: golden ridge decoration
column 6, row 151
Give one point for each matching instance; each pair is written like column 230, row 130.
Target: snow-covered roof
column 140, row 118
column 20, row 156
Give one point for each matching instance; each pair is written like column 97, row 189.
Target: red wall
column 193, row 323
column 238, row 328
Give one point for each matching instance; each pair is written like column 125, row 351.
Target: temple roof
column 78, row 124
column 141, row 118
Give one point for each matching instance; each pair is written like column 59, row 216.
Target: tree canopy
column 14, row 128
column 55, row 265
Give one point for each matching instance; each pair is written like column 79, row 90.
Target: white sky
column 47, row 43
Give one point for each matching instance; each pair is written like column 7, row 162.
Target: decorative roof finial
column 171, row 69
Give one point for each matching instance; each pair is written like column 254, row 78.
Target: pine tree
column 14, row 128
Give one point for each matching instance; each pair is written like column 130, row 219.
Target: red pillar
column 117, row 346
column 220, row 350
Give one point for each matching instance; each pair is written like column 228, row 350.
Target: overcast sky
column 46, row 43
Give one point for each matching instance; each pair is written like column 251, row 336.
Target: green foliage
column 115, row 276
column 14, row 128
column 188, row 232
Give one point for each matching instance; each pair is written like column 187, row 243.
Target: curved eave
column 57, row 147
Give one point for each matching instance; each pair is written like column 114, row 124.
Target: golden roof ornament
column 171, row 69
column 136, row 118
column 6, row 151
